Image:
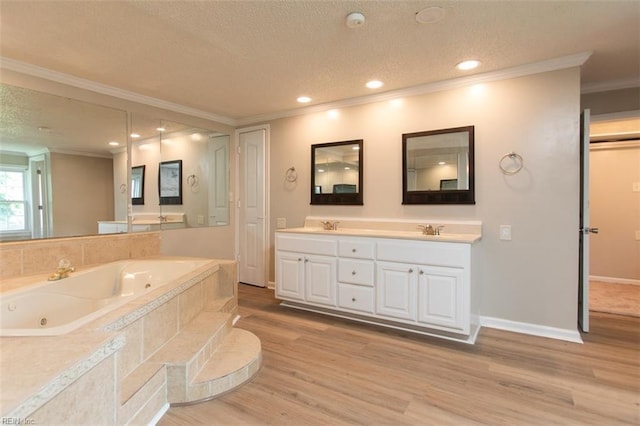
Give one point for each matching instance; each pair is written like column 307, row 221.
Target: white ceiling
column 243, row 59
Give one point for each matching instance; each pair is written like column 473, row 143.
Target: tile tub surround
column 42, row 374
column 42, row 256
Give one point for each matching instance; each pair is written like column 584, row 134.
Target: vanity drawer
column 323, row 246
column 359, row 249
column 356, row 271
column 355, row 297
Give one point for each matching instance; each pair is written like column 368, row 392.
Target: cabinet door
column 320, row 279
column 396, row 290
column 441, row 298
column 289, row 276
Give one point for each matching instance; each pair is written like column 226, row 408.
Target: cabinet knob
column 353, row 250
column 353, row 272
column 421, row 272
column 353, row 299
column 306, row 260
column 411, row 270
column 299, row 259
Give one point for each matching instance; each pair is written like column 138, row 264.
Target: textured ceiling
column 242, row 59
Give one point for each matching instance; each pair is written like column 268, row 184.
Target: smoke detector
column 355, row 20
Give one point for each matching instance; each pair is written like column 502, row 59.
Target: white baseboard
column 271, row 285
column 614, row 280
column 532, row 329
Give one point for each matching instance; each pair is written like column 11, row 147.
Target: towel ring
column 291, row 175
column 192, row 180
column 123, row 188
column 517, row 161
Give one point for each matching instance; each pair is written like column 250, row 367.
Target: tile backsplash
column 42, row 256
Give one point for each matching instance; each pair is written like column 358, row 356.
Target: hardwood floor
column 319, row 370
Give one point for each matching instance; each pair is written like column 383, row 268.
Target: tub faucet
column 62, row 271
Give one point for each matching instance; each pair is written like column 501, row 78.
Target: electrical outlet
column 281, row 222
column 505, row 232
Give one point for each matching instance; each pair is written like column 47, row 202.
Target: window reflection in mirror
column 336, row 176
column 438, row 166
column 68, row 153
column 137, row 185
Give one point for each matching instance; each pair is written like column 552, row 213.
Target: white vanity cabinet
column 306, row 269
column 410, row 284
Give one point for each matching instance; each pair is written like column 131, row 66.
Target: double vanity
column 384, row 273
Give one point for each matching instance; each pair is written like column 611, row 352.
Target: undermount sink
column 413, row 235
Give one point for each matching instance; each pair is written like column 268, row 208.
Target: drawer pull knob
column 421, row 272
column 299, row 259
column 353, row 250
column 353, row 272
column 353, row 299
column 411, row 270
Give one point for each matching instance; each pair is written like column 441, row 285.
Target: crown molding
column 81, row 83
column 607, row 86
column 554, row 64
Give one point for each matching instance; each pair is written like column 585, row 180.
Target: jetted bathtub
column 56, row 307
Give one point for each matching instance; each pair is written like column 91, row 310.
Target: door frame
column 267, row 206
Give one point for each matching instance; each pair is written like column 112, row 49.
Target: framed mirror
column 137, row 185
column 336, row 173
column 170, row 182
column 438, row 167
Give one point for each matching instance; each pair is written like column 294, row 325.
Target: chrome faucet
column 329, row 226
column 62, row 271
column 430, row 229
column 163, row 219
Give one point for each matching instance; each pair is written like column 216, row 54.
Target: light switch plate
column 281, row 222
column 505, row 232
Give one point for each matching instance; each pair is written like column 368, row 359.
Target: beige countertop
column 386, row 233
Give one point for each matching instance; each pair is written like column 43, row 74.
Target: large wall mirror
column 438, row 167
column 64, row 169
column 59, row 159
column 189, row 174
column 336, row 173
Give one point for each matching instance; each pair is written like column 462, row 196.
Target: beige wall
column 612, row 101
column 534, row 277
column 79, row 203
column 615, row 210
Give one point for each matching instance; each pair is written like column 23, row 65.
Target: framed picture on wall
column 170, row 182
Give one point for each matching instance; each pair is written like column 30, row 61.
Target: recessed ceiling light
column 374, row 84
column 135, row 135
column 355, row 148
column 114, row 143
column 347, row 168
column 442, row 163
column 468, row 65
column 430, row 15
column 160, row 129
column 304, row 99
column 321, row 170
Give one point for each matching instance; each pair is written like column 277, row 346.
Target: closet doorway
column 614, row 174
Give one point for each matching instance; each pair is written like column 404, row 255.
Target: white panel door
column 396, row 290
column 252, row 209
column 585, row 230
column 218, row 191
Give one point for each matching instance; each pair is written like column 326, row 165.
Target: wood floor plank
column 320, row 370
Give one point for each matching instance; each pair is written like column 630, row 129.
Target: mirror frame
column 354, row 199
column 138, row 201
column 176, row 186
column 446, row 196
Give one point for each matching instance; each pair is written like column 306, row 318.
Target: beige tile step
column 222, row 304
column 236, row 361
column 143, row 390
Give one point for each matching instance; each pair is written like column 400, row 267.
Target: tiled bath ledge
column 122, row 358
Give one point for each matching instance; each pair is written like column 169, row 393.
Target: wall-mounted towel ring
column 514, row 166
column 192, row 180
column 291, row 175
column 123, row 188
